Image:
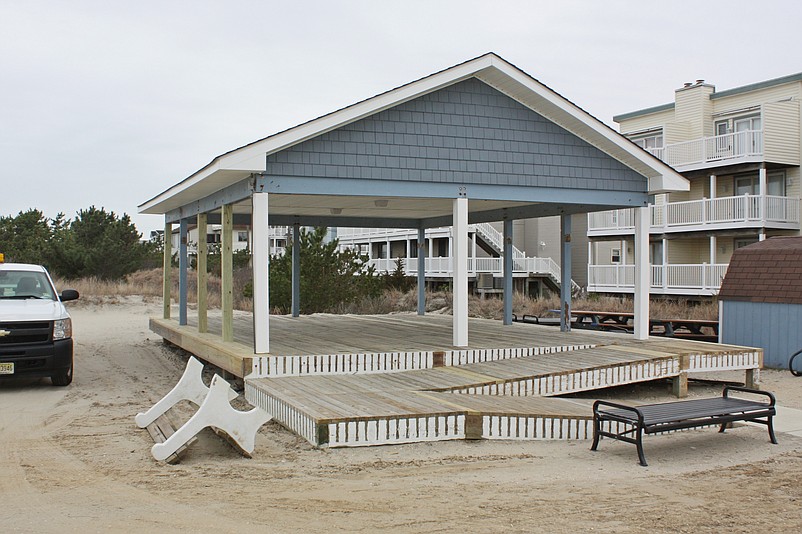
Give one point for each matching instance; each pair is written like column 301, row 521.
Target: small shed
column 760, row 303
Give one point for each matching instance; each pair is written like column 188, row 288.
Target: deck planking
column 368, row 380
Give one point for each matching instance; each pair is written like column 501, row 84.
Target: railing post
column 704, row 276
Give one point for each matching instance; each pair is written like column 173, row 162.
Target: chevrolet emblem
column 4, row 333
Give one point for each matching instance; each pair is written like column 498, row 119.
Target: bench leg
column 596, row 433
column 770, row 424
column 639, row 444
column 216, row 411
column 190, row 387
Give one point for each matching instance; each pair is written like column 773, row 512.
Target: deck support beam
column 261, row 271
column 642, row 271
column 182, row 272
column 460, row 270
column 565, row 273
column 421, row 271
column 167, row 268
column 202, row 274
column 227, row 272
column 507, row 271
column 296, row 270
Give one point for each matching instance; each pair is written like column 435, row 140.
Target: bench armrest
column 632, row 409
column 768, row 394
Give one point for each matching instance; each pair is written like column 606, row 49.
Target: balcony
column 442, row 267
column 693, row 279
column 746, row 211
column 726, row 149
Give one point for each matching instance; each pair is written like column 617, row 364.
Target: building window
column 650, row 140
column 735, row 137
column 242, row 237
column 212, row 238
column 750, row 184
column 615, row 255
column 740, row 243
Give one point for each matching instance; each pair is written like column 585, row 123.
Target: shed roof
column 768, row 271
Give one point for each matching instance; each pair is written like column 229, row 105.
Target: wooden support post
column 460, row 271
column 261, row 273
column 473, row 425
column 679, row 384
column 296, row 270
column 183, row 267
column 507, row 272
column 227, row 272
column 565, row 273
column 203, row 277
column 642, row 273
column 752, row 378
column 421, row 271
column 167, row 245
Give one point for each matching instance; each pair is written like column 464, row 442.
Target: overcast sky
column 108, row 103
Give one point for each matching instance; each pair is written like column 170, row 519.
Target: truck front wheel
column 63, row 378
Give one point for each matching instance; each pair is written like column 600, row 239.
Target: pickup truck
column 35, row 328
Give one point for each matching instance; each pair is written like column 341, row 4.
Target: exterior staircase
column 492, row 242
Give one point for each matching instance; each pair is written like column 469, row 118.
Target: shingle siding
column 466, row 133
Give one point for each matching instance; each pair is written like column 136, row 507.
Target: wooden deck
column 369, row 380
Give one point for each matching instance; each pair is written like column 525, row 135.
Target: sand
column 72, row 460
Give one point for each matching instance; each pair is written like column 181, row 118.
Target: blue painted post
column 565, row 273
column 182, row 273
column 507, row 271
column 421, row 271
column 296, row 270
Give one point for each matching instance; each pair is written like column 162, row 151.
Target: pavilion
column 478, row 142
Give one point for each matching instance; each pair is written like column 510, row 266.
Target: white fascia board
column 661, row 175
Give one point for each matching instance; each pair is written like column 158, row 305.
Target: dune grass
column 148, row 284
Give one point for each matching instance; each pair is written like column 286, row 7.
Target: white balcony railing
column 745, row 210
column 692, row 279
column 442, row 266
column 707, row 150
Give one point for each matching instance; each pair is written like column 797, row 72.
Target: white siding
column 781, row 132
column 646, row 122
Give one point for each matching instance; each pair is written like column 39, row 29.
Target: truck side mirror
column 68, row 294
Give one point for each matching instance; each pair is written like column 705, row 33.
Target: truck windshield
column 25, row 285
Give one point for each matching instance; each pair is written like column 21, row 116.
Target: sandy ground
column 72, row 460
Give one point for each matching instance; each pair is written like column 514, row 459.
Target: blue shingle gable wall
column 467, row 133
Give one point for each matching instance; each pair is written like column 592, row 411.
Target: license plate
column 6, row 368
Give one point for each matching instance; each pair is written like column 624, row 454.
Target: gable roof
column 767, row 271
column 236, row 165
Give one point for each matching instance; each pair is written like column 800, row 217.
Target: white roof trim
column 489, row 68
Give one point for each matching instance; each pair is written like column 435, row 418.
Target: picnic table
column 600, row 320
column 699, row 329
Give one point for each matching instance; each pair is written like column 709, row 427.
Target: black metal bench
column 667, row 416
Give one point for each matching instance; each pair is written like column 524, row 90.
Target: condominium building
column 740, row 149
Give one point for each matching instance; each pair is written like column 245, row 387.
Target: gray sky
column 110, row 102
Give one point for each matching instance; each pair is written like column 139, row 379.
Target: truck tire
column 63, row 378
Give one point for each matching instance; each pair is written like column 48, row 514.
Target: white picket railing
column 705, row 212
column 442, row 266
column 714, row 149
column 702, row 278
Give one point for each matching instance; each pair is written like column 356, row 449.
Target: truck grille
column 29, row 332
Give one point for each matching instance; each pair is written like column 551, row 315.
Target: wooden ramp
column 370, row 380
